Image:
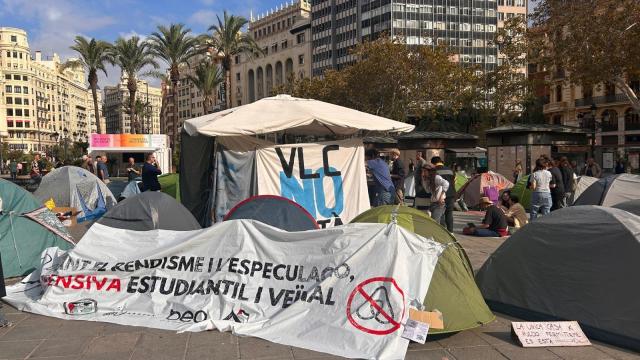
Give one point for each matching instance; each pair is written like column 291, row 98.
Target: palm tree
column 175, row 46
column 94, row 54
column 132, row 55
column 208, row 77
column 228, row 41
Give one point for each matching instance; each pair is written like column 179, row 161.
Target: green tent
column 170, row 184
column 23, row 238
column 461, row 179
column 524, row 194
column 453, row 290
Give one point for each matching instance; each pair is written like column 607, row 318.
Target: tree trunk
column 175, row 77
column 227, row 85
column 628, row 91
column 132, row 86
column 93, row 83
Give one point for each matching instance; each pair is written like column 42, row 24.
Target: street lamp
column 593, row 109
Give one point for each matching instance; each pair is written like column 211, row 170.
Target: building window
column 587, row 92
column 558, row 93
column 465, row 27
column 14, row 38
column 301, row 59
column 237, row 59
column 285, row 44
column 9, row 112
column 440, row 25
column 519, row 2
column 478, row 59
column 7, row 76
column 465, row 11
column 427, row 25
column 18, row 101
column 9, row 100
column 491, row 59
column 18, row 112
column 300, row 38
column 17, row 89
column 478, row 27
column 25, row 90
column 452, row 10
column 238, row 76
column 490, row 28
column 26, row 112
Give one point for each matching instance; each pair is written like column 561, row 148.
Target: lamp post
column 593, row 109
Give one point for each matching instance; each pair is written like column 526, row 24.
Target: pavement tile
column 211, row 345
column 19, row 332
column 254, row 348
column 72, row 346
column 304, row 354
column 520, row 353
column 110, row 329
column 157, row 347
column 439, row 354
column 109, row 344
column 617, row 353
column 477, row 353
column 462, row 339
column 17, row 349
column 580, row 353
column 429, row 345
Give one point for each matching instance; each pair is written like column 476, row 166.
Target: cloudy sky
column 53, row 24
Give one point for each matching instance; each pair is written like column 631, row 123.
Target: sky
column 53, row 24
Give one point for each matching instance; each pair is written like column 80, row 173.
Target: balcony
column 554, row 107
column 598, row 100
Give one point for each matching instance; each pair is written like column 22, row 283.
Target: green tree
column 507, row 85
column 228, row 40
column 94, row 55
column 175, row 46
column 132, row 55
column 207, row 78
column 596, row 41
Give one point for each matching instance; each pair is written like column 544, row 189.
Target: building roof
column 535, row 128
column 379, row 140
column 414, row 135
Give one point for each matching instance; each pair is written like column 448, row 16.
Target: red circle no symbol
column 384, row 315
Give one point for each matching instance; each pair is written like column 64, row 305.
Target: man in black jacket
column 449, row 175
column 557, row 192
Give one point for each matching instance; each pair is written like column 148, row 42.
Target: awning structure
column 283, row 113
column 469, row 152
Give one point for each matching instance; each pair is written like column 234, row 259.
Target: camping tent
column 582, row 183
column 522, row 192
column 453, row 290
column 611, row 190
column 476, row 187
column 632, row 206
column 24, row 237
column 461, row 179
column 578, row 263
column 276, row 211
column 150, row 210
column 78, row 188
column 170, row 184
column 231, row 155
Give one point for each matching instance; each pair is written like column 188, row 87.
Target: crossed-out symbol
column 376, row 305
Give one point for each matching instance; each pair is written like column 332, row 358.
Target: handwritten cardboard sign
column 549, row 333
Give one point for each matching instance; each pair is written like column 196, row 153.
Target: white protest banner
column 344, row 290
column 327, row 179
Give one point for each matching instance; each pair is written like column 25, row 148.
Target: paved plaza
column 39, row 337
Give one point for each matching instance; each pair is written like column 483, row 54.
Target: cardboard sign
column 433, row 318
column 549, row 333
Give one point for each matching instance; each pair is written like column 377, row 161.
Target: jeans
column 437, row 211
column 383, row 198
column 447, row 219
column 540, row 201
column 486, row 233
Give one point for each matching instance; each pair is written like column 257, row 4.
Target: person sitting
column 516, row 214
column 494, row 223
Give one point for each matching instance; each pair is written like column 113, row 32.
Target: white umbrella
column 291, row 115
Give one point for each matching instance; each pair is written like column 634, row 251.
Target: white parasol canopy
column 291, row 115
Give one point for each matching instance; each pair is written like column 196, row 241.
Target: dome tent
column 274, row 210
column 150, row 210
column 582, row 183
column 578, row 263
column 522, row 192
column 611, row 190
column 71, row 186
column 474, row 189
column 632, row 206
column 453, row 290
column 26, row 229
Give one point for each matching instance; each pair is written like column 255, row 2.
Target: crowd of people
column 148, row 172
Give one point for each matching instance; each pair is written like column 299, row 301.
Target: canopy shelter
column 488, row 184
column 150, row 210
column 577, row 263
column 229, row 156
column 26, row 229
column 611, row 190
column 276, row 211
column 453, row 290
column 71, row 186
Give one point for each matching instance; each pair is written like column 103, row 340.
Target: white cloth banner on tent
column 344, row 291
column 328, row 179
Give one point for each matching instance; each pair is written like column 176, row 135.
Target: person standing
column 558, row 191
column 150, row 172
column 19, row 168
column 132, row 170
column 397, row 175
column 437, row 186
column 420, row 163
column 450, row 177
column 35, row 173
column 591, row 168
column 101, row 170
column 541, row 184
column 379, row 172
column 13, row 168
column 568, row 180
column 517, row 171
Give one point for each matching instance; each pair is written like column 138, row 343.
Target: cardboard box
column 72, row 220
column 433, row 318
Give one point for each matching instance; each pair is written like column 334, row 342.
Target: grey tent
column 149, row 211
column 274, row 210
column 578, row 263
column 611, row 190
column 582, row 183
column 75, row 187
column 632, row 206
